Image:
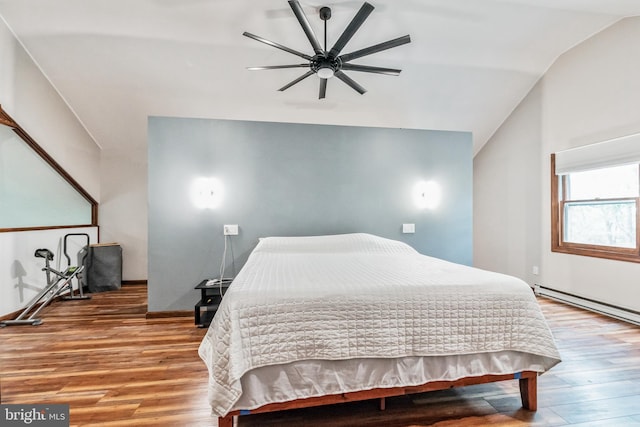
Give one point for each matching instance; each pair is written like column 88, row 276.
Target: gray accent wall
column 283, row 179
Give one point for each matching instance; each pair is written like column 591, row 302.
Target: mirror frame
column 6, row 120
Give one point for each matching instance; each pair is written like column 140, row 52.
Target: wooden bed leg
column 529, row 393
column 383, row 403
column 225, row 421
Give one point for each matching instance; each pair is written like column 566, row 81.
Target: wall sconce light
column 206, row 193
column 427, row 195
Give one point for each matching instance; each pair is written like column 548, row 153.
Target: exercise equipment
column 57, row 285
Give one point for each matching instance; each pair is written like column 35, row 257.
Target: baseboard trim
column 133, row 282
column 165, row 314
column 15, row 314
column 11, row 316
column 610, row 310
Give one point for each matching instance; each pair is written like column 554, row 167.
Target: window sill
column 616, row 256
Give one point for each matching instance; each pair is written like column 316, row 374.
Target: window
column 595, row 211
column 35, row 192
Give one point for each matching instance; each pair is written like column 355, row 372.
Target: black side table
column 210, row 298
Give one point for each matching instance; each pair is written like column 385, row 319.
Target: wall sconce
column 206, row 193
column 427, row 195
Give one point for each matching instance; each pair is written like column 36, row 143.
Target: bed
column 325, row 319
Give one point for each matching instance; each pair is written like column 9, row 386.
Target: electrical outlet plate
column 230, row 229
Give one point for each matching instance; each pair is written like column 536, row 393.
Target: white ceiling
column 469, row 64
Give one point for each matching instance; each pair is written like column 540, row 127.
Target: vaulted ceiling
column 469, row 64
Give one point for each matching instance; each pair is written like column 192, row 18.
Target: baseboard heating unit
column 627, row 315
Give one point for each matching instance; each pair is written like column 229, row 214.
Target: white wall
column 507, row 192
column 123, row 205
column 28, row 97
column 590, row 94
column 21, row 272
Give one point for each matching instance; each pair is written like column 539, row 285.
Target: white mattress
column 357, row 296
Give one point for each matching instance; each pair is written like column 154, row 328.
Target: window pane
column 605, row 223
column 32, row 193
column 608, row 183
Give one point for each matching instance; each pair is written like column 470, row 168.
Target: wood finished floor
column 116, row 368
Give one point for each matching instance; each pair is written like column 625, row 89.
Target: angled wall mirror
column 35, row 191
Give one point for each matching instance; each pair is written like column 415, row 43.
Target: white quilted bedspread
column 361, row 296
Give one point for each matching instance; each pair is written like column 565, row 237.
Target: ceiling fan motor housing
column 320, row 62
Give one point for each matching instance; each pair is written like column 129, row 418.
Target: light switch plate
column 408, row 228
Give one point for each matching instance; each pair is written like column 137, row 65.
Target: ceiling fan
column 329, row 63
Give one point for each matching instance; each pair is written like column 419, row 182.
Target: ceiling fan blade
column 323, row 88
column 306, row 27
column 376, row 48
column 277, row 67
column 351, row 29
column 277, row 45
column 298, row 80
column 349, row 81
column 369, row 69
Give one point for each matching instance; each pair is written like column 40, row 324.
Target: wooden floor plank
column 117, row 368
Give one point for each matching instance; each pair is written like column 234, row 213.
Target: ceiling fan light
column 325, row 72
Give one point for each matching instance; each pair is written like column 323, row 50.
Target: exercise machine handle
column 65, row 246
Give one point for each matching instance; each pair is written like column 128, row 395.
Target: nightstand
column 210, row 298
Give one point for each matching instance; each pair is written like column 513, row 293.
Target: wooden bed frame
column 528, row 394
